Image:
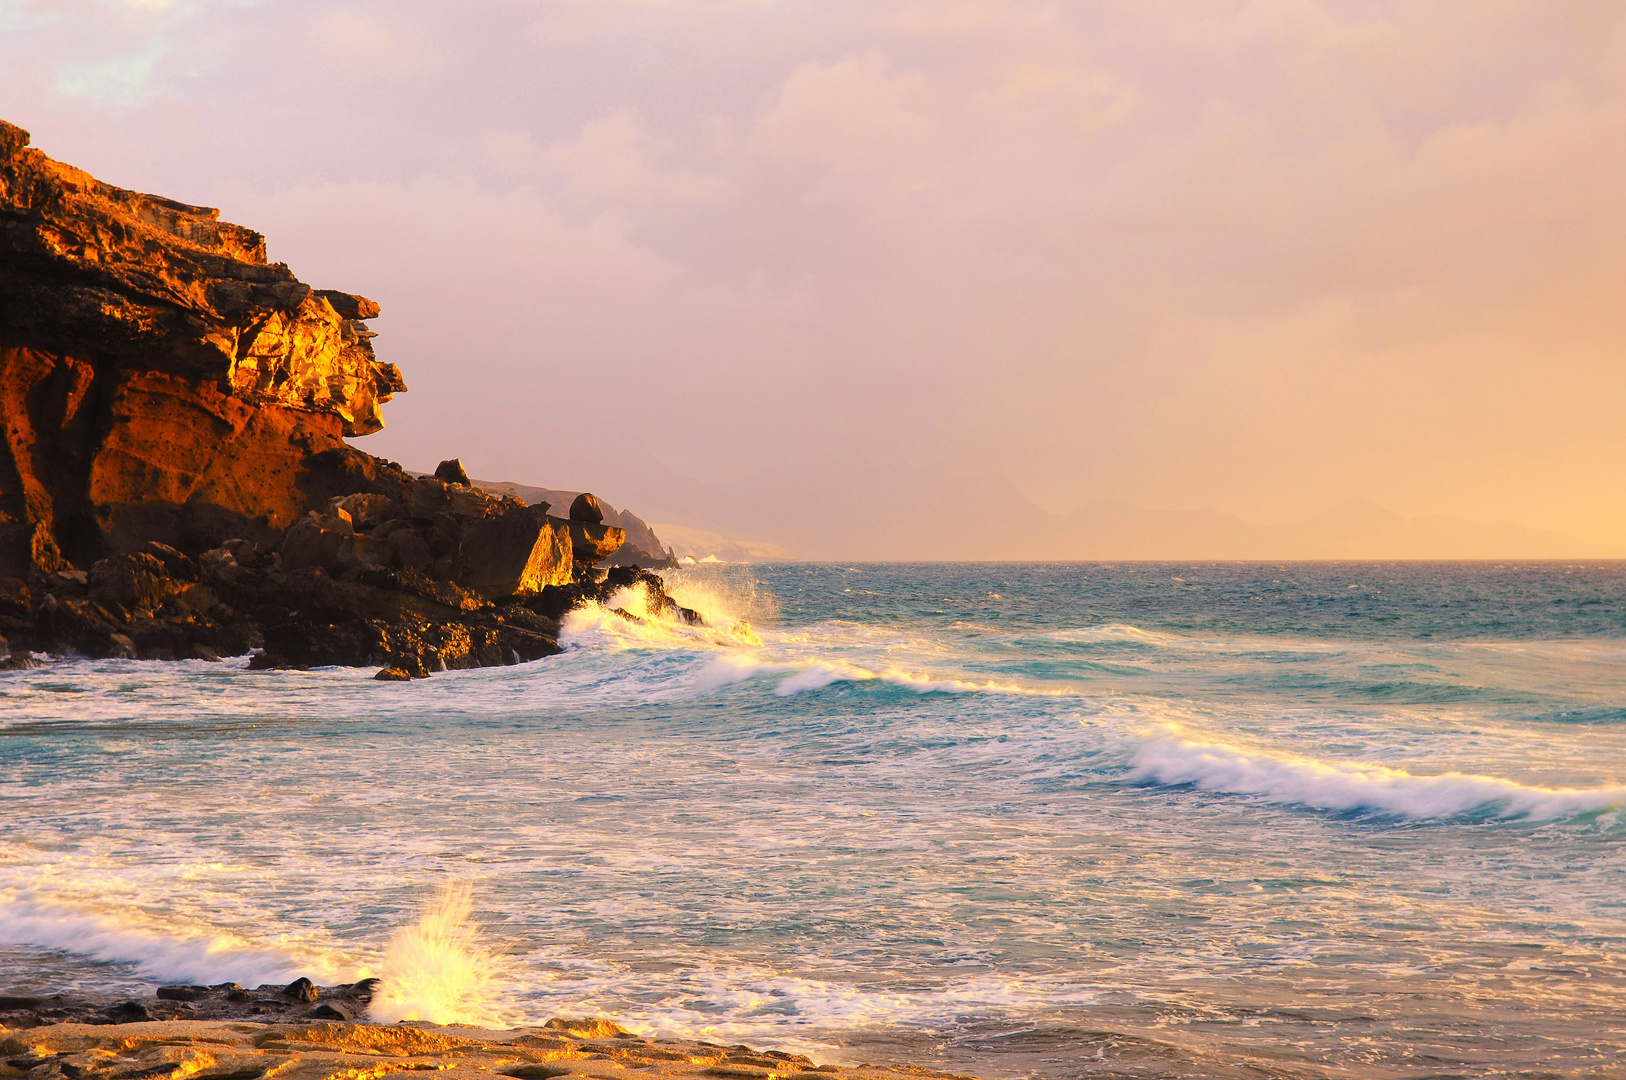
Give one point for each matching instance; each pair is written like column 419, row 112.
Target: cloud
column 360, row 46
column 612, row 160
column 1261, row 255
column 121, row 82
column 855, row 120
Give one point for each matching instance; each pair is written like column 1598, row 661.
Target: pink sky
column 1257, row 257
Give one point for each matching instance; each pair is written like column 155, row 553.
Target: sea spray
column 629, row 619
column 438, row 969
column 734, row 596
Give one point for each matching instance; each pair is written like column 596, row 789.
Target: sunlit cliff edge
column 175, row 481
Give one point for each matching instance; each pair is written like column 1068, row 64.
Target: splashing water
column 437, row 969
column 630, row 620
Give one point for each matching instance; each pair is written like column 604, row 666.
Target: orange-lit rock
column 159, row 379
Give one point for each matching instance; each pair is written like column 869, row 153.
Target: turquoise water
column 1010, row 820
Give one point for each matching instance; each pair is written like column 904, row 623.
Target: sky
column 1257, row 258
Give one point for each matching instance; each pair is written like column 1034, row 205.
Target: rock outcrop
column 175, row 481
column 306, row 1032
column 160, row 379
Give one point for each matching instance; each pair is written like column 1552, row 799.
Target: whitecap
column 1176, row 757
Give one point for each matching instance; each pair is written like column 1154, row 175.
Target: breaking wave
column 1176, row 757
column 172, row 950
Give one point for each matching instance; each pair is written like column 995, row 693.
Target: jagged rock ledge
column 138, row 1040
column 174, row 477
column 440, row 576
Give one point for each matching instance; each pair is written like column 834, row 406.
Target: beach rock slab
column 305, row 1047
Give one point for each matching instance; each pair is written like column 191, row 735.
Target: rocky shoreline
column 306, row 1032
column 175, row 481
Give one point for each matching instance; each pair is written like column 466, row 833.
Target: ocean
column 1009, row 820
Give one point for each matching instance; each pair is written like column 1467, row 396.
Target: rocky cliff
column 175, row 480
column 160, row 379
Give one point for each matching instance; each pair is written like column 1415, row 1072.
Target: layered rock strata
column 175, row 481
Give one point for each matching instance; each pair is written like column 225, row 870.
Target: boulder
column 586, row 508
column 593, row 543
column 369, row 509
column 467, row 502
column 131, row 581
column 412, row 552
column 325, row 540
column 424, row 498
column 517, row 554
column 451, row 471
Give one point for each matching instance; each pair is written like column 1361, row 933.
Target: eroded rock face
column 91, row 270
column 174, row 477
column 159, row 379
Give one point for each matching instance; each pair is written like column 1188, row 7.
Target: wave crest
column 1178, row 758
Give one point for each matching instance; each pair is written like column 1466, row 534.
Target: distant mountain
column 639, row 534
column 699, row 544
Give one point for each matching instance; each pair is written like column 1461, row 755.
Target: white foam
column 625, row 622
column 709, row 999
column 1121, row 632
column 817, row 674
column 172, row 951
column 1176, row 757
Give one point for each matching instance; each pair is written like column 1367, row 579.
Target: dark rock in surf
column 301, row 989
column 364, row 990
column 130, row 1012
